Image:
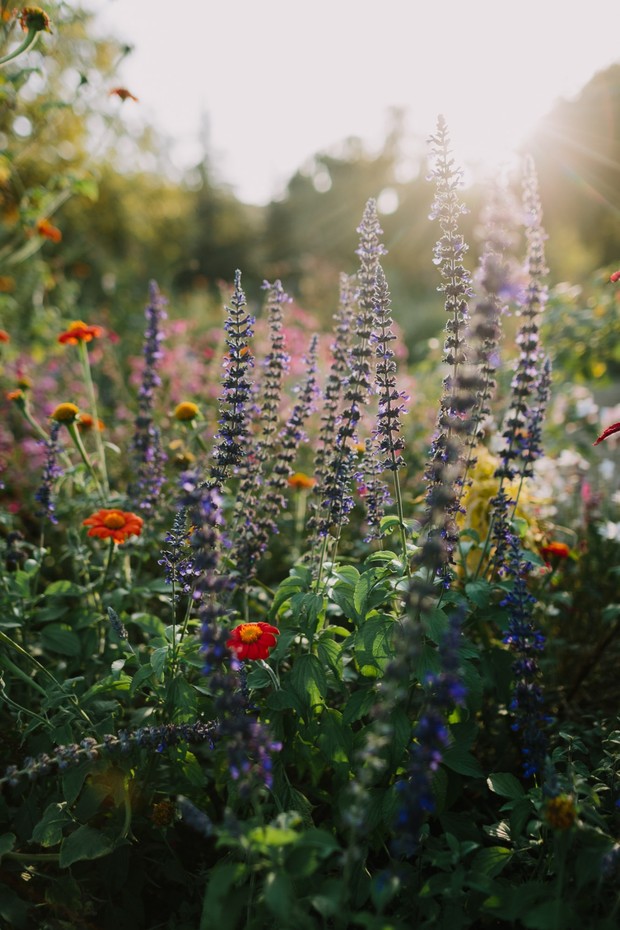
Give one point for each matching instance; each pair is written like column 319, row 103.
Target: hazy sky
column 282, row 79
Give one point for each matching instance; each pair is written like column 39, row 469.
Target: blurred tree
column 577, row 153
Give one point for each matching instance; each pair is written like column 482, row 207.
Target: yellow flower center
column 114, row 521
column 250, row 632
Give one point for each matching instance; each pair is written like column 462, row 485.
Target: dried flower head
column 114, row 524
column 34, row 19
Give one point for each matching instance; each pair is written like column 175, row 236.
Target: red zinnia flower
column 114, row 524
column 253, row 640
column 614, row 428
column 79, row 332
column 614, row 277
column 558, row 550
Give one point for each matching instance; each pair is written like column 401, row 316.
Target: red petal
column 608, row 432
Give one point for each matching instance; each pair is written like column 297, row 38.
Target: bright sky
column 280, row 80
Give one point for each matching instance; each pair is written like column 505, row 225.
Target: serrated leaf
column 308, row 680
column 358, row 705
column 479, row 592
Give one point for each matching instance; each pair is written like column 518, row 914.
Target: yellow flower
column 65, row 413
column 186, row 411
column 560, row 812
column 476, row 503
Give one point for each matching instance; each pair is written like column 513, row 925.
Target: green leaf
column 358, row 705
column 48, row 832
column 141, row 676
column 73, row 779
column 84, row 843
column 330, row 654
column 222, row 907
column 64, row 588
column 491, row 861
column 460, row 760
column 279, row 896
column 308, row 681
column 7, row 843
column 479, row 592
column 435, row 623
column 506, row 785
column 148, row 623
column 60, row 638
column 284, row 700
column 158, row 661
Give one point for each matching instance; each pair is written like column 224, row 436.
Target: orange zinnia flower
column 558, row 550
column 300, row 481
column 253, row 640
column 48, row 231
column 114, row 524
column 87, row 422
column 79, row 332
column 4, row 336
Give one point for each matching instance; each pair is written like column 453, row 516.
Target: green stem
column 28, row 42
column 79, row 445
column 272, row 674
column 90, row 387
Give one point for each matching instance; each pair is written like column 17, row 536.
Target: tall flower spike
column 332, row 394
column 446, row 465
column 254, row 534
column 148, row 454
column 51, row 471
column 528, row 369
column 337, row 500
column 236, row 389
column 248, row 523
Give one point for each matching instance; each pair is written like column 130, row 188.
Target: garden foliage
column 257, row 667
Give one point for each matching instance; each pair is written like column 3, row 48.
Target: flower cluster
column 51, row 471
column 237, row 389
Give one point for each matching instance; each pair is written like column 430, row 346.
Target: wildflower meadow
column 296, row 633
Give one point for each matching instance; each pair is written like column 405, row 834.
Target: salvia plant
column 292, row 683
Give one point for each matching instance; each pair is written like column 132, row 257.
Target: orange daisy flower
column 79, row 332
column 253, row 640
column 114, row 524
column 300, row 481
column 48, row 231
